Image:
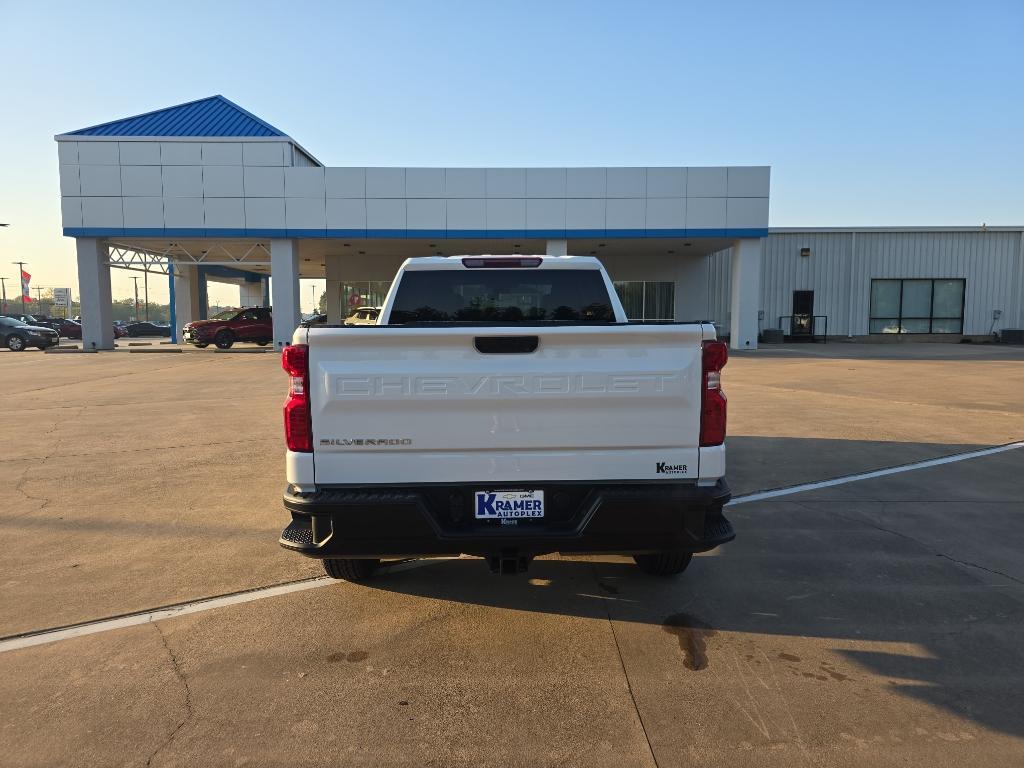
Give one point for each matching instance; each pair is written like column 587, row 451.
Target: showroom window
column 646, row 300
column 917, row 306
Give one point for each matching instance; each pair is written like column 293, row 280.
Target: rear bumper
column 622, row 518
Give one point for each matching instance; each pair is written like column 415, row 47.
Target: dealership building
column 206, row 191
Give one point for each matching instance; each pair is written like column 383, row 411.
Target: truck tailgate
column 603, row 402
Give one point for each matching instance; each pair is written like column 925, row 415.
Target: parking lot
column 874, row 621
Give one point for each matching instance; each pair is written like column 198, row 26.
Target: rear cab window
column 506, row 296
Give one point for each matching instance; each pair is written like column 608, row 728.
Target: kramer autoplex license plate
column 494, row 505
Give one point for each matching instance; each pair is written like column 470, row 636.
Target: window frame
column 931, row 317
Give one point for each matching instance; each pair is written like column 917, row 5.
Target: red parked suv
column 227, row 327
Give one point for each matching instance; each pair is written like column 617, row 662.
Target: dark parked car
column 225, row 328
column 72, row 329
column 43, row 322
column 16, row 335
column 146, row 328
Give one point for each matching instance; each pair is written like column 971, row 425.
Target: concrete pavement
column 868, row 624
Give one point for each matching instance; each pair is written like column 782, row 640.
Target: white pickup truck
column 504, row 407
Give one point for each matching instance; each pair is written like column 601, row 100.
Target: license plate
column 500, row 505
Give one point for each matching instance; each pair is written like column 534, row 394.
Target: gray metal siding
column 843, row 263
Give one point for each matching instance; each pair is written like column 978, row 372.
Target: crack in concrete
column 924, row 546
column 625, row 674
column 180, row 674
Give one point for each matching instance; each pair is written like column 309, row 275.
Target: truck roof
column 433, row 263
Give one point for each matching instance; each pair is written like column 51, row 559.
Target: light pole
column 136, row 279
column 3, row 292
column 21, row 278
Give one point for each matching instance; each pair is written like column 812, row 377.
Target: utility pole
column 21, row 282
column 3, row 293
column 136, row 279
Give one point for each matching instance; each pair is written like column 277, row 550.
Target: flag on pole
column 25, row 280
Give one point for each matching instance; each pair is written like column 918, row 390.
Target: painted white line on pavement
column 762, row 495
column 134, row 619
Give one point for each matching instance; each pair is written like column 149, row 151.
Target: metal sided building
column 207, row 191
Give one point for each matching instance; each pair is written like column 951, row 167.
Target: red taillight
column 298, row 423
column 715, row 354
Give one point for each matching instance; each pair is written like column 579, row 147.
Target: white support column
column 186, row 296
column 558, row 248
column 333, row 267
column 94, row 289
column 284, row 288
column 746, row 293
column 691, row 292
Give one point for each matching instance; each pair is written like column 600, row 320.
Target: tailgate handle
column 506, row 345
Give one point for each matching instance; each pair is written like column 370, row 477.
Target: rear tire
column 350, row 570
column 15, row 343
column 203, row 345
column 663, row 563
column 224, row 339
column 263, row 343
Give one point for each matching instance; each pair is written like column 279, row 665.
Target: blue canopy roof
column 212, row 116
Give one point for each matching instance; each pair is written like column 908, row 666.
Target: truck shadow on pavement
column 817, row 589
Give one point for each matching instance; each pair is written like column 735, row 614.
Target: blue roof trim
column 211, row 117
column 414, row 234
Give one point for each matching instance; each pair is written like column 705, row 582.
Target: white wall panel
column 183, row 180
column 184, row 212
column 69, row 181
column 67, row 152
column 627, row 182
column 141, row 181
column 424, row 182
column 223, row 181
column 263, row 181
column 224, row 212
column 425, row 213
column 304, row 182
column 626, row 214
column 144, row 212
column 585, row 213
column 346, row 182
column 102, row 212
column 506, row 213
column 545, row 214
column 746, row 213
column 71, row 211
column 586, row 182
column 98, row 153
column 385, row 182
column 705, row 212
column 545, row 182
column 264, row 213
column 466, row 214
column 465, row 182
column 506, row 182
column 139, row 152
column 265, row 153
column 305, row 213
column 181, row 153
column 222, row 153
column 707, row 182
column 666, row 182
column 385, row 213
column 666, row 213
column 748, row 181
column 99, row 180
column 346, row 213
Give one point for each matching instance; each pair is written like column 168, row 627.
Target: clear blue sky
column 868, row 113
